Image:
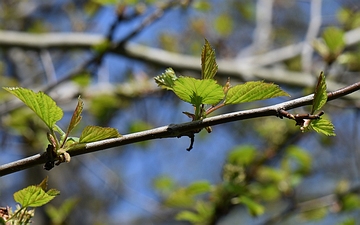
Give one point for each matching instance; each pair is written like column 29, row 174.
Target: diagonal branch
column 175, row 130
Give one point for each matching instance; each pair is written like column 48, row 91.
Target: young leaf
column 96, row 133
column 198, row 187
column 253, row 91
column 44, row 184
column 189, row 216
column 76, row 117
column 44, row 106
column 197, row 91
column 320, row 95
column 254, row 208
column 32, row 196
column 334, row 39
column 166, row 80
column 208, row 63
column 323, row 126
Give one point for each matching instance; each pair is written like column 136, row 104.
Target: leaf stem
column 213, row 108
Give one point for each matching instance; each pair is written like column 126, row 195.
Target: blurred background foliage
column 261, row 171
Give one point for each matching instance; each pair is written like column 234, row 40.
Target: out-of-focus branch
column 311, row 34
column 247, row 68
column 175, row 130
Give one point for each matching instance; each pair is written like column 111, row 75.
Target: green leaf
column 189, row 216
column 96, row 133
column 320, row 95
column 198, row 92
column 164, row 184
column 242, row 155
column 224, row 25
column 208, row 62
column 198, row 187
column 302, row 157
column 253, row 91
column 166, row 80
column 334, row 39
column 180, row 198
column 44, row 106
column 254, row 208
column 32, row 196
column 76, row 117
column 58, row 215
column 323, row 126
column 44, row 183
column 53, row 192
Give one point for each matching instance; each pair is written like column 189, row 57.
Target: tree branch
column 175, row 130
column 244, row 68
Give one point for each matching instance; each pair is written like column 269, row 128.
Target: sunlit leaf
column 302, row 157
column 334, row 39
column 44, row 183
column 242, row 155
column 202, row 5
column 76, row 117
column 166, row 80
column 197, row 91
column 350, row 201
column 208, row 62
column 320, row 95
column 180, row 198
column 224, row 25
column 348, row 221
column 164, row 184
column 188, row 216
column 323, row 126
column 44, row 106
column 253, row 91
column 96, row 133
column 198, row 187
column 254, row 208
column 53, row 192
column 58, row 215
column 32, row 196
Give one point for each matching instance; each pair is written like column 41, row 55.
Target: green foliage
column 323, row 126
column 224, row 25
column 206, row 91
column 40, row 103
column 59, row 215
column 198, row 92
column 96, row 133
column 331, row 45
column 320, row 95
column 242, row 155
column 348, row 221
column 302, row 159
column 253, row 91
column 47, row 110
column 203, row 211
column 209, row 66
column 167, row 79
column 254, row 208
column 32, row 196
column 349, row 18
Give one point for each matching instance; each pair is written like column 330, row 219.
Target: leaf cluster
column 245, row 181
column 206, row 95
column 60, row 141
column 30, row 197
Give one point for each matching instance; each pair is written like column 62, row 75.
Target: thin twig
column 175, row 130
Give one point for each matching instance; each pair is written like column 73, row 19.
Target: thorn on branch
column 192, row 140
